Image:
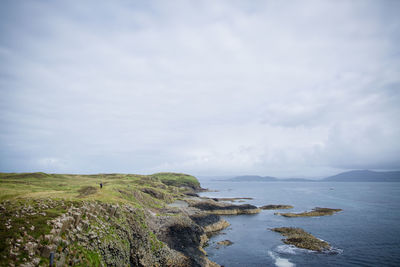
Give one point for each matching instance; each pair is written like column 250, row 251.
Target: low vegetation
column 301, row 239
column 72, row 216
column 315, row 212
column 178, row 179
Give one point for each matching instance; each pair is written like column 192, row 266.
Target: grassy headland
column 85, row 225
column 117, row 188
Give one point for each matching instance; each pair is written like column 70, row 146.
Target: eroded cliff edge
column 127, row 222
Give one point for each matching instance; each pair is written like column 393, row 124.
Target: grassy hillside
column 120, row 188
column 29, row 201
column 177, row 179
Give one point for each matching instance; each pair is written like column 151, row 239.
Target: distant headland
column 350, row 176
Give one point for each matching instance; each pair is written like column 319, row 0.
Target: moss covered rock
column 301, row 239
column 315, row 212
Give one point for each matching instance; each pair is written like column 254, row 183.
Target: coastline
column 131, row 219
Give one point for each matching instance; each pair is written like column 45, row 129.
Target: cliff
column 72, row 221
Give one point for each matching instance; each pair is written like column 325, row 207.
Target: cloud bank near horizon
column 210, row 88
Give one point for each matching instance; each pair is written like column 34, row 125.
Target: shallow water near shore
column 365, row 233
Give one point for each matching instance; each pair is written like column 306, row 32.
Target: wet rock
column 276, row 207
column 214, row 207
column 301, row 239
column 225, row 243
column 314, row 212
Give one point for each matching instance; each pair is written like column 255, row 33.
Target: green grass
column 87, row 257
column 50, row 195
column 178, row 179
column 117, row 188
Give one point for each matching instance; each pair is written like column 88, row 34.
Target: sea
column 365, row 233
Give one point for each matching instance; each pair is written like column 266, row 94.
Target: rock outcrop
column 128, row 221
column 276, row 207
column 94, row 233
column 220, row 208
column 315, row 212
column 211, row 223
column 301, row 239
column 225, row 243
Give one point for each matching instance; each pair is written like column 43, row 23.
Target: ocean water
column 365, row 233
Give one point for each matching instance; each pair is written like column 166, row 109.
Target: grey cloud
column 205, row 87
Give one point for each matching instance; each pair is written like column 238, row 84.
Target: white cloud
column 203, row 87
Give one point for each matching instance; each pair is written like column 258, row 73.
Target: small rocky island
column 314, row 212
column 301, row 239
column 276, row 207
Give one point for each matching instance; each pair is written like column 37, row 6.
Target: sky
column 279, row 88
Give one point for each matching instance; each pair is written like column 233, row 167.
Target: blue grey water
column 365, row 233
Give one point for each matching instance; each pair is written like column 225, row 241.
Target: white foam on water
column 280, row 262
column 286, row 249
column 293, row 250
column 334, row 251
column 290, row 249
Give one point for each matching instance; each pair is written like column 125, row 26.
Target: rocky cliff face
column 101, row 234
column 67, row 220
column 93, row 234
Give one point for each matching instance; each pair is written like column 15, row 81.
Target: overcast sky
column 283, row 88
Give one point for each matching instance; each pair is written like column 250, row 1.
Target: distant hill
column 256, row 178
column 365, row 176
column 350, row 176
column 253, row 178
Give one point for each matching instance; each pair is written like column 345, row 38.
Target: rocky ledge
column 211, row 223
column 314, row 212
column 301, row 239
column 225, row 243
column 232, row 199
column 276, row 207
column 220, row 208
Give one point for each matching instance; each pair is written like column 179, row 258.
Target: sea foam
column 290, row 249
column 280, row 262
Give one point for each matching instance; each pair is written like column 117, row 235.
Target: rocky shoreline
column 136, row 220
column 211, row 206
column 89, row 232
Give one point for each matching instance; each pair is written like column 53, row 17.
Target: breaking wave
column 280, row 262
column 292, row 250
